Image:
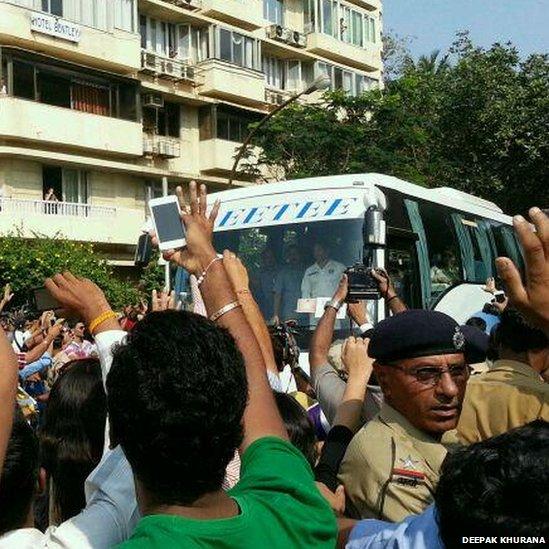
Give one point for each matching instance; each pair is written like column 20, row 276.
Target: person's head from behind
column 176, row 395
column 421, row 368
column 19, row 479
column 293, row 256
column 517, row 339
column 497, row 487
column 476, row 322
column 300, row 428
column 320, row 253
column 268, row 258
column 72, row 438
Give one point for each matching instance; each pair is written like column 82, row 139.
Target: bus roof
column 458, row 200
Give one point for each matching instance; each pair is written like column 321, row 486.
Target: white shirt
column 321, row 281
column 111, row 511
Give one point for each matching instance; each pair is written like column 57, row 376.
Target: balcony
column 276, row 97
column 217, row 156
column 164, row 67
column 81, row 222
column 370, row 5
column 186, row 4
column 162, row 147
column 112, row 50
column 24, row 120
column 368, row 58
column 247, row 14
column 232, row 82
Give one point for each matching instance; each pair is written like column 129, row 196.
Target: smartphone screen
column 168, row 222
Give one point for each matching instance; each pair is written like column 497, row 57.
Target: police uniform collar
column 514, row 366
column 433, row 451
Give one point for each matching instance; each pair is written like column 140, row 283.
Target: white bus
column 440, row 243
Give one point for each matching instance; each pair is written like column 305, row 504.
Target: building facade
column 101, row 99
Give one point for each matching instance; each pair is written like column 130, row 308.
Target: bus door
column 402, row 265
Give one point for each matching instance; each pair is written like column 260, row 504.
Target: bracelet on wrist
column 224, row 310
column 334, row 304
column 391, row 298
column 200, row 279
column 107, row 315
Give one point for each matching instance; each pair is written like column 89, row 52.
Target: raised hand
column 357, row 311
column 199, row 250
column 8, row 294
column 531, row 298
column 163, row 301
column 79, row 295
column 385, row 283
column 355, row 358
column 342, row 289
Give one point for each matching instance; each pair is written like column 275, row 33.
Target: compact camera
column 361, row 283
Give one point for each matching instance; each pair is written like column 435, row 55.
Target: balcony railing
column 274, row 96
column 187, row 4
column 24, row 207
column 164, row 147
column 165, row 67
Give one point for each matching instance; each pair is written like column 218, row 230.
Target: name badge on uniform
column 406, row 474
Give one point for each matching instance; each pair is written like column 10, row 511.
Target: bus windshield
column 290, row 262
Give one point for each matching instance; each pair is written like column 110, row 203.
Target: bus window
column 402, row 265
column 474, row 248
column 289, row 262
column 442, row 265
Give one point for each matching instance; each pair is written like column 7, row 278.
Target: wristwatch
column 334, row 304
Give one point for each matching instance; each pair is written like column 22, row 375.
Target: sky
column 433, row 23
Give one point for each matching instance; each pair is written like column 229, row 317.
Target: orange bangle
column 100, row 319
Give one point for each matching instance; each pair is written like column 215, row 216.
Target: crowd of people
column 160, row 427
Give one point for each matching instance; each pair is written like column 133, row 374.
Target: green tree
column 26, row 262
column 472, row 118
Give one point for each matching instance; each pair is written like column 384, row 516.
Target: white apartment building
column 101, row 99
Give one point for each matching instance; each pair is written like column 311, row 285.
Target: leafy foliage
column 471, row 118
column 25, row 263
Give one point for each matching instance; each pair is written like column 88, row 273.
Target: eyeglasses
column 430, row 375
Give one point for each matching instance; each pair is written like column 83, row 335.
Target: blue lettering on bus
column 334, row 205
column 249, row 216
column 281, row 212
column 226, row 218
column 303, row 210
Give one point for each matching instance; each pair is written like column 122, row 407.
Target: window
column 55, row 7
column 328, row 10
column 165, row 121
column 237, row 48
column 92, row 98
column 233, row 124
column 68, row 185
column 274, row 70
column 309, row 15
column 342, row 78
column 23, row 80
column 53, row 89
column 273, row 11
column 124, row 11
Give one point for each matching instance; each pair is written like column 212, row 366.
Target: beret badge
column 458, row 339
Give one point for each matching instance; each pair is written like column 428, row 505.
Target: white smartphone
column 166, row 216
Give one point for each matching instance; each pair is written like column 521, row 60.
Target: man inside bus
column 392, row 465
column 287, row 287
column 322, row 277
column 513, row 392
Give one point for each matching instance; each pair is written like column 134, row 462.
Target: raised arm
column 261, row 417
column 8, row 389
column 238, row 275
column 322, row 338
column 531, row 298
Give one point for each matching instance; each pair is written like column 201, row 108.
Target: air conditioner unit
column 277, row 32
column 169, row 69
column 168, row 148
column 189, row 4
column 298, row 39
column 148, row 62
column 148, row 146
column 187, row 73
column 153, row 100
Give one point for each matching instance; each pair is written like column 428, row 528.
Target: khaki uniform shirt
column 391, row 468
column 510, row 394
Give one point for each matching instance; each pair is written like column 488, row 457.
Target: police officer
column 392, row 464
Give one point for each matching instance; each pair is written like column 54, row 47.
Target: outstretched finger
column 215, row 211
column 532, row 246
column 510, row 276
column 181, row 198
column 193, row 197
column 202, row 199
column 541, row 222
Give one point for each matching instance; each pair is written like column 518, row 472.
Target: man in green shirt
column 183, row 395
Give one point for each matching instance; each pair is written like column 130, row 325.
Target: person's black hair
column 300, row 428
column 497, row 487
column 278, row 350
column 176, row 395
column 73, row 434
column 515, row 333
column 477, row 322
column 18, row 482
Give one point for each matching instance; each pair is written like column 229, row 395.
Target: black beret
column 416, row 333
column 476, row 344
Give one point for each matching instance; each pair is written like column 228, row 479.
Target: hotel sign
column 54, row 26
